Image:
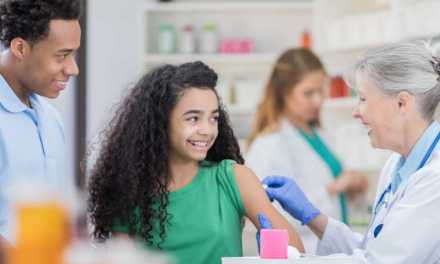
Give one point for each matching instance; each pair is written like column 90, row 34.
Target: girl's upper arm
column 256, row 201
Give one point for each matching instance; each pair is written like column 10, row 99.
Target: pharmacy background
column 219, row 131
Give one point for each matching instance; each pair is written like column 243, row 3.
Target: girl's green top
column 206, row 217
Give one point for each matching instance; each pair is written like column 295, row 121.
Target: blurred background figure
column 288, row 139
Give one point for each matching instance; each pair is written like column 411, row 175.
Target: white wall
column 113, row 62
column 65, row 104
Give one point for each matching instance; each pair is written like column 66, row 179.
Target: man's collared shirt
column 31, row 149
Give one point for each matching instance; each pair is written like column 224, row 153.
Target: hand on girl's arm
column 256, row 201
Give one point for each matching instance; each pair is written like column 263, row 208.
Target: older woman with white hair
column 399, row 90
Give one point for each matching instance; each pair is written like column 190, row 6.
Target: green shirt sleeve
column 228, row 181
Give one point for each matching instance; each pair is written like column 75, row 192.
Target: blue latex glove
column 291, row 197
column 264, row 224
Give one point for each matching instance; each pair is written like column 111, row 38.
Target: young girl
column 169, row 174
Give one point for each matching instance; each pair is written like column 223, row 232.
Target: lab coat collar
column 287, row 128
column 286, row 125
column 406, row 167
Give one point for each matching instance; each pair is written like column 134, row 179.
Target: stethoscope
column 384, row 199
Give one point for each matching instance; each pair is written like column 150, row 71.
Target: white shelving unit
column 232, row 19
column 419, row 15
column 236, row 6
column 346, row 104
column 343, row 30
column 212, row 59
column 343, row 103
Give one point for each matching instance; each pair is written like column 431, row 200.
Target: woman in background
column 287, row 138
column 170, row 173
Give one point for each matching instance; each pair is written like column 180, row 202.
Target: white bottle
column 187, row 40
column 166, row 39
column 209, row 39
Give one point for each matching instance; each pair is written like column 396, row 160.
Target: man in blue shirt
column 39, row 39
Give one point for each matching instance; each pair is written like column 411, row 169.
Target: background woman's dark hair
column 131, row 172
column 29, row 19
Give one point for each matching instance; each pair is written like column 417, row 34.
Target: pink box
column 273, row 243
column 246, row 46
column 236, row 45
column 230, row 46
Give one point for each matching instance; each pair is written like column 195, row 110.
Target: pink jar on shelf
column 229, row 45
column 236, row 45
column 247, row 46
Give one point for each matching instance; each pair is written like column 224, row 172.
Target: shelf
column 232, row 19
column 354, row 50
column 345, row 103
column 237, row 110
column 374, row 25
column 228, row 7
column 332, row 103
column 238, row 59
column 341, row 103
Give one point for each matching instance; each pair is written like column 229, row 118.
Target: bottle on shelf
column 187, row 40
column 209, row 39
column 306, row 40
column 338, row 87
column 166, row 39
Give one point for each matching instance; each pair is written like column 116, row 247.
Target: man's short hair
column 29, row 19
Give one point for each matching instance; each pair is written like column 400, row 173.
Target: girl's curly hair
column 131, row 172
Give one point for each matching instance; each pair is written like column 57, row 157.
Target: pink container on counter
column 273, row 243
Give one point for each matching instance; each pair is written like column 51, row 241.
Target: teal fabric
column 331, row 161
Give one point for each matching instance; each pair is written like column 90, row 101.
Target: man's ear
column 20, row 48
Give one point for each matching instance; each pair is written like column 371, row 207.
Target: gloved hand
column 264, row 224
column 291, row 197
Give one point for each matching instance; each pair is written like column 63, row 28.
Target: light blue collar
column 406, row 167
column 9, row 99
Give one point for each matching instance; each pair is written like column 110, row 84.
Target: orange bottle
column 42, row 234
column 306, row 40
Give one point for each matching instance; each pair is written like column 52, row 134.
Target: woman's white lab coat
column 285, row 152
column 410, row 232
